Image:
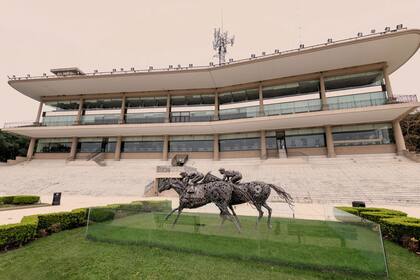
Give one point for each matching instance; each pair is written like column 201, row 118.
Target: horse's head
column 170, row 183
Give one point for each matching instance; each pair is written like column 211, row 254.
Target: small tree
column 12, row 146
column 410, row 127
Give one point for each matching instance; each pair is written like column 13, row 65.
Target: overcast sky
column 37, row 36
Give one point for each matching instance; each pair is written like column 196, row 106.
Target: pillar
column 122, row 114
column 216, row 154
column 322, row 94
column 399, row 138
column 117, row 155
column 261, row 99
column 165, row 148
column 168, row 108
column 330, row 141
column 216, row 106
column 80, row 112
column 263, row 145
column 38, row 115
column 388, row 83
column 73, row 148
column 31, row 149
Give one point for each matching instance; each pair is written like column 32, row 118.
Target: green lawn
column 69, row 255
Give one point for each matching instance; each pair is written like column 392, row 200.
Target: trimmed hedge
column 19, row 199
column 30, row 227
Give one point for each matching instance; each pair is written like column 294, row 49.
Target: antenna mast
column 220, row 42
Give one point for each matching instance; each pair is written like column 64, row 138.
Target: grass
column 69, row 255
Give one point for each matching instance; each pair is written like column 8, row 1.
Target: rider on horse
column 194, row 177
column 230, row 175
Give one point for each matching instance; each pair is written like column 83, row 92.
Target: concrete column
column 263, row 154
column 330, row 141
column 73, row 149
column 322, row 94
column 165, row 147
column 31, row 149
column 261, row 99
column 80, row 113
column 216, row 155
column 38, row 115
column 399, row 138
column 168, row 108
column 122, row 115
column 388, row 83
column 117, row 155
column 216, row 106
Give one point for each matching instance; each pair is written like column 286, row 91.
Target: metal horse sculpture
column 219, row 193
column 255, row 192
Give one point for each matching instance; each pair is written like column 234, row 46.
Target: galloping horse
column 255, row 192
column 219, row 193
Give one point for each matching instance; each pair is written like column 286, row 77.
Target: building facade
column 329, row 99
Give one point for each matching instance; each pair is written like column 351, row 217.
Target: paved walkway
column 301, row 210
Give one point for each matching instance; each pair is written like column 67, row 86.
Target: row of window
column 356, row 135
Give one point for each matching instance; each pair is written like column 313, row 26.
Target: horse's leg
column 234, row 214
column 223, row 217
column 177, row 216
column 224, row 209
column 260, row 213
column 269, row 214
column 167, row 216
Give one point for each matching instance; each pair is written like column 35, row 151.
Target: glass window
column 359, row 135
column 100, row 119
column 191, row 143
column 238, row 96
column 55, row 145
column 58, row 120
column 103, row 104
column 63, row 105
column 357, row 100
column 142, row 144
column 140, row 102
column 292, row 107
column 354, row 80
column 198, row 99
column 297, row 88
column 239, row 113
column 305, row 138
column 145, row 118
column 196, row 116
column 239, row 142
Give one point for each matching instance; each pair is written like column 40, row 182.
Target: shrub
column 65, row 220
column 396, row 227
column 101, row 214
column 6, row 199
column 15, row 235
column 25, row 199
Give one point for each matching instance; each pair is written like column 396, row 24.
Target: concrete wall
column 240, row 154
column 369, row 149
column 306, row 151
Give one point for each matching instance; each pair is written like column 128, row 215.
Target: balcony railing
column 335, row 103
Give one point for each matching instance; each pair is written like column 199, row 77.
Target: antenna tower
column 220, row 42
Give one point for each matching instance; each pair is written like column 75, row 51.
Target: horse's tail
column 282, row 193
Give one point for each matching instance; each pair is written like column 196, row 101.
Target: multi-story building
column 329, row 99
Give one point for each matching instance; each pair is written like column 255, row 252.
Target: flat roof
column 394, row 48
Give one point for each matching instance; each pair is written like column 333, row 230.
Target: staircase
column 98, row 158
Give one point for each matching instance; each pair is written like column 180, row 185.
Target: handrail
column 211, row 65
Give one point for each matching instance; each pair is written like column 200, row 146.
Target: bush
column 15, row 235
column 396, row 227
column 101, row 214
column 65, row 220
column 25, row 199
column 19, row 199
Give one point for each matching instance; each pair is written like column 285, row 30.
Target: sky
column 37, row 36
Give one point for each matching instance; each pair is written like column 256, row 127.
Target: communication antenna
column 220, row 42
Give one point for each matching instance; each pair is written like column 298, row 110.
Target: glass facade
column 239, row 113
column 188, row 100
column 305, row 138
column 195, row 143
column 196, row 116
column 144, row 144
column 366, row 134
column 58, row 120
column 238, row 96
column 150, row 117
column 357, row 100
column 113, row 103
column 96, row 145
column 297, row 88
column 53, row 145
column 239, row 142
column 293, row 107
column 144, row 102
column 100, row 119
column 64, row 105
column 352, row 81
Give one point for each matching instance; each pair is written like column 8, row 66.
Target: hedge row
column 394, row 224
column 30, row 227
column 19, row 199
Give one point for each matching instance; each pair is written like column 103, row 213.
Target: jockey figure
column 192, row 177
column 230, row 175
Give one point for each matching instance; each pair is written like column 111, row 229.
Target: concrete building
column 329, row 99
